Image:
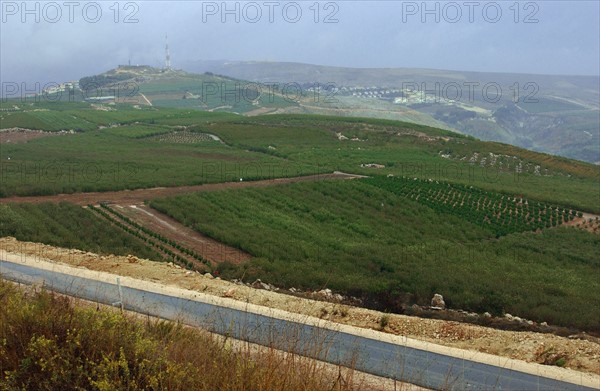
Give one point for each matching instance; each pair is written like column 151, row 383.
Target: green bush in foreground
column 47, row 343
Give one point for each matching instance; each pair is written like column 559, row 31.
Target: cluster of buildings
column 371, row 92
column 60, row 88
column 398, row 96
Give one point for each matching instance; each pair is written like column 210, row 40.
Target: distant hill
column 145, row 85
column 552, row 114
column 211, row 91
column 548, row 113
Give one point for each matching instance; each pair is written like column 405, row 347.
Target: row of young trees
column 69, row 226
column 156, row 235
column 146, row 234
column 501, row 213
column 180, row 137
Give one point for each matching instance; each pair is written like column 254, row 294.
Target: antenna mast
column 167, row 54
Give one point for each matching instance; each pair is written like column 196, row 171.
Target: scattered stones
column 229, row 292
column 372, row 165
column 208, row 275
column 509, row 316
column 325, row 293
column 487, row 315
column 438, row 301
column 340, row 136
column 258, row 284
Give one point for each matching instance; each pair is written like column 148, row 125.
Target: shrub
column 384, row 321
column 47, row 343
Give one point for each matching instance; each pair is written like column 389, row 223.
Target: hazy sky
column 71, row 40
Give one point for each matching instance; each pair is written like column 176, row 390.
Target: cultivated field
column 394, row 251
column 490, row 226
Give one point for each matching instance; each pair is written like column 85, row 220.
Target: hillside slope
column 554, row 114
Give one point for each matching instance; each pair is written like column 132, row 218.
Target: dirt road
column 128, row 197
column 210, row 249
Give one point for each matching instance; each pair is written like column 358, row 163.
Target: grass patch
column 110, row 160
column 48, row 343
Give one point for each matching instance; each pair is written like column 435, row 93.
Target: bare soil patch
column 590, row 222
column 261, row 111
column 21, row 136
column 208, row 248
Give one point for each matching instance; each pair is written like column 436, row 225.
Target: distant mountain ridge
column 557, row 114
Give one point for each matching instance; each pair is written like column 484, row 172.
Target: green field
column 44, row 120
column 69, row 226
column 138, row 131
column 498, row 213
column 123, row 156
column 54, row 116
column 366, row 241
column 312, row 140
column 212, row 92
column 119, row 158
column 440, row 212
column 545, row 105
